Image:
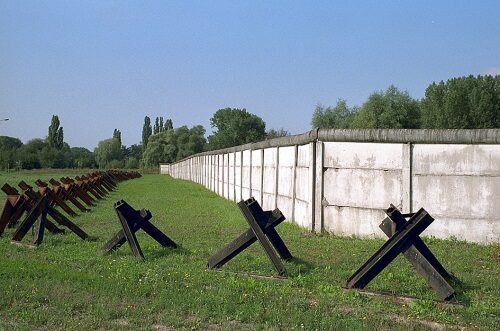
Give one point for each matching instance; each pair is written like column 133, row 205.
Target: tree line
column 459, row 103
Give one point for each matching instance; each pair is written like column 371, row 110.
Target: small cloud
column 492, row 71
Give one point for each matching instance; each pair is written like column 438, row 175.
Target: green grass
column 64, row 284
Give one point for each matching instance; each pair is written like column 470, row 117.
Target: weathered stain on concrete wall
column 336, row 181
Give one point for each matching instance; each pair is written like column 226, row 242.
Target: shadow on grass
column 461, row 291
column 304, row 267
column 162, row 252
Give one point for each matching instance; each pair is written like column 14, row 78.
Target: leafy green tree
column 108, row 150
column 134, row 151
column 276, row 133
column 8, row 151
column 81, row 158
column 161, row 148
column 235, row 127
column 169, row 125
column 28, row 156
column 462, row 103
column 9, row 143
column 146, row 132
column 53, row 158
column 60, row 138
column 55, row 139
column 175, row 144
column 189, row 141
column 160, row 126
column 338, row 117
column 118, row 135
column 392, row 109
column 156, row 127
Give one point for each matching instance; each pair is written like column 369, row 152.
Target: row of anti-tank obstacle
column 81, row 192
column 403, row 230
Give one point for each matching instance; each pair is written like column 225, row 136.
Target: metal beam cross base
column 403, row 231
column 262, row 228
column 131, row 221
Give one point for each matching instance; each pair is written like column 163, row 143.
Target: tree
column 146, row 132
column 160, row 126
column 156, row 127
column 169, row 125
column 8, row 151
column 462, row 103
column 175, row 144
column 81, row 158
column 391, row 109
column 134, row 151
column 28, row 155
column 108, row 150
column 235, row 127
column 276, row 133
column 55, row 138
column 117, row 135
column 60, row 138
column 9, row 143
column 338, row 117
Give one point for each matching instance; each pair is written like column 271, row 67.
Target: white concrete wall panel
column 362, row 188
column 475, row 230
column 231, row 181
column 302, row 187
column 285, row 204
column 302, row 214
column 256, row 175
column 269, row 183
column 349, row 221
column 303, row 157
column 469, row 160
column 285, row 182
column 457, row 196
column 285, row 171
column 363, row 155
column 287, row 156
column 245, row 172
column 237, row 176
column 225, row 169
column 220, row 174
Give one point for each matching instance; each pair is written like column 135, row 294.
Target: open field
column 64, row 284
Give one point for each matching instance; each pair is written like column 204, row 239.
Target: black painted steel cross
column 404, row 238
column 262, row 228
column 131, row 221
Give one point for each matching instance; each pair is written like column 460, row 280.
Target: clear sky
column 101, row 65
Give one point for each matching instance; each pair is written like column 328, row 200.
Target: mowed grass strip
column 65, row 284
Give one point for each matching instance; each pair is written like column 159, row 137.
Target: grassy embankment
column 64, row 284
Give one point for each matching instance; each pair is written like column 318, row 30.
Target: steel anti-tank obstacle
column 262, row 228
column 403, row 231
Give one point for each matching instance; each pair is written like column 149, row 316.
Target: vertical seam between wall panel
column 234, row 176
column 294, row 175
column 262, row 176
column 276, row 177
column 250, row 175
column 410, row 182
column 313, row 187
column 241, row 175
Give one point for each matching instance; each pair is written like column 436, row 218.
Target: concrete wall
column 341, row 181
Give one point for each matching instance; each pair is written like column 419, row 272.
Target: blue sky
column 101, row 65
